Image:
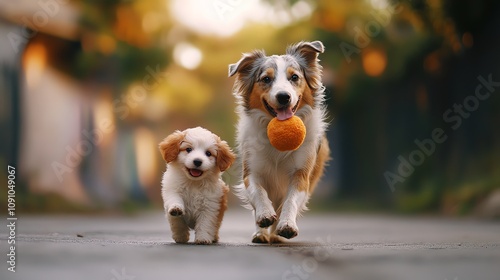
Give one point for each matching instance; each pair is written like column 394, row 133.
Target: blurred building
column 59, row 130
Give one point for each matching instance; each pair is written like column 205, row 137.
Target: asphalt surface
column 329, row 246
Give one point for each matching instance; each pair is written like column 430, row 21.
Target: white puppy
column 193, row 192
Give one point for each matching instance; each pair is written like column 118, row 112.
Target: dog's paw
column 203, row 241
column 276, row 239
column 287, row 230
column 265, row 221
column 175, row 211
column 260, row 238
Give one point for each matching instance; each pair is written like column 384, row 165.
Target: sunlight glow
column 374, row 62
column 34, row 63
column 379, row 4
column 187, row 56
column 226, row 17
column 146, row 153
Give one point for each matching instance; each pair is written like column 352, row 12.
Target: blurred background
column 89, row 88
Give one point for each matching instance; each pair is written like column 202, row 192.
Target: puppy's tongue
column 195, row 172
column 284, row 114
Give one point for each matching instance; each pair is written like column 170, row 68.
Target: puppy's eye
column 188, row 150
column 266, row 80
column 294, row 78
column 209, row 154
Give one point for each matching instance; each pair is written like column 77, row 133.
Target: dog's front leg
column 265, row 215
column 295, row 201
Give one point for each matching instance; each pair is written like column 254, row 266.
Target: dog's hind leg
column 261, row 235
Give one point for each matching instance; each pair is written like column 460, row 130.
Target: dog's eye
column 266, row 80
column 209, row 154
column 294, row 78
column 188, row 150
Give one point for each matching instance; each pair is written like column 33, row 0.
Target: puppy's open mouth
column 282, row 113
column 194, row 172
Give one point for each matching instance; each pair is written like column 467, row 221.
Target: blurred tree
column 120, row 39
column 394, row 68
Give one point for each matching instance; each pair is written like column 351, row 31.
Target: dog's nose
column 197, row 162
column 283, row 98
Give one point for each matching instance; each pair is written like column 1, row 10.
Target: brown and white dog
column 277, row 185
column 193, row 192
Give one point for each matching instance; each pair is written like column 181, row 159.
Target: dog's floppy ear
column 245, row 64
column 308, row 50
column 170, row 146
column 307, row 56
column 225, row 156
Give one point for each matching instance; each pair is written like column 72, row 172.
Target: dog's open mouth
column 195, row 172
column 283, row 113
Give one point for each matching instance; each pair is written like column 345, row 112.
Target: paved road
column 328, row 247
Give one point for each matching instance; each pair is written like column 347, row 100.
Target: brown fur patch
column 222, row 210
column 259, row 92
column 246, row 171
column 321, row 160
column 225, row 156
column 170, row 146
column 256, row 96
column 301, row 176
column 307, row 96
column 309, row 176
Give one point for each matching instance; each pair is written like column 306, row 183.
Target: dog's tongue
column 195, row 172
column 284, row 114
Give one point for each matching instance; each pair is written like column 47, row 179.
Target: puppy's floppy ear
column 225, row 156
column 245, row 64
column 170, row 146
column 306, row 54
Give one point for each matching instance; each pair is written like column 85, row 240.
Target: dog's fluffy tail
column 241, row 192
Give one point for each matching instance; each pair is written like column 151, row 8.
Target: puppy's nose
column 283, row 98
column 197, row 162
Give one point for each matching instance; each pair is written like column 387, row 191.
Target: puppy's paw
column 215, row 239
column 181, row 240
column 266, row 220
column 203, row 241
column 176, row 210
column 287, row 230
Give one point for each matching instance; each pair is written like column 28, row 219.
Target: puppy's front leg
column 174, row 209
column 172, row 202
column 295, row 201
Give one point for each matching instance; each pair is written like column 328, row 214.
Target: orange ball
column 286, row 135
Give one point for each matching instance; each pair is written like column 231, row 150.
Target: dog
column 194, row 195
column 277, row 185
